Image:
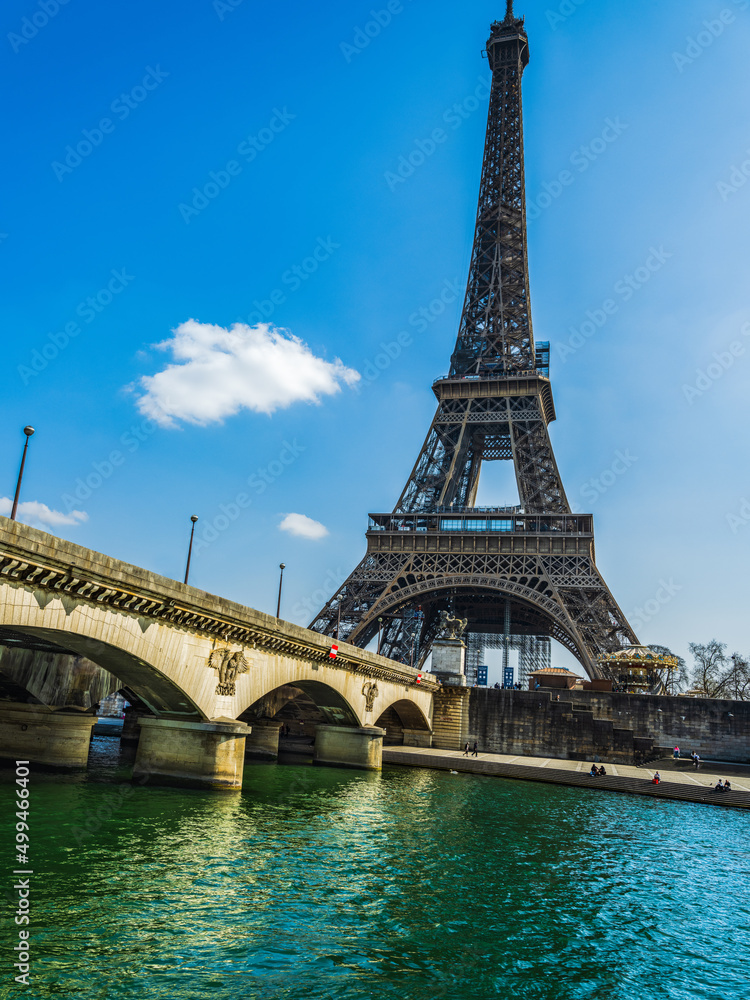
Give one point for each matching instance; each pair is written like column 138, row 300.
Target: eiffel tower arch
column 528, row 572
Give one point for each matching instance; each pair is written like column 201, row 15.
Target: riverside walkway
column 680, row 780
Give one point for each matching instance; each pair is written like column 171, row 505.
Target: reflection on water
column 323, row 884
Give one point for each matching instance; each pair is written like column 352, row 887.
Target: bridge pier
column 346, row 746
column 450, row 719
column 131, row 730
column 191, row 754
column 44, row 736
column 263, row 742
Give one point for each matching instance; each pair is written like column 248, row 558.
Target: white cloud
column 303, row 527
column 218, row 372
column 39, row 515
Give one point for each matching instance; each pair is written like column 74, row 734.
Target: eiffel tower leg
column 540, row 487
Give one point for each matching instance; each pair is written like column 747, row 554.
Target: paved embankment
column 679, row 778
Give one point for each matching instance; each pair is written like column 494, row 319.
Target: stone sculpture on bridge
column 370, row 691
column 228, row 665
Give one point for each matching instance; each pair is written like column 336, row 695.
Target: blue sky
column 231, row 162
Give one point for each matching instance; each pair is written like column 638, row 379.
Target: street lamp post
column 380, row 633
column 28, row 431
column 193, row 518
column 282, row 567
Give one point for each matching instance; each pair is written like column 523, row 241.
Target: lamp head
column 28, row 431
column 193, row 518
column 282, row 565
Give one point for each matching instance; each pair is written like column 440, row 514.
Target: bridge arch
column 404, row 722
column 133, row 664
column 329, row 701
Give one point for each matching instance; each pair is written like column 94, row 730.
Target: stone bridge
column 208, row 675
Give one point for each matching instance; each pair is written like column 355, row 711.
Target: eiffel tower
column 520, row 571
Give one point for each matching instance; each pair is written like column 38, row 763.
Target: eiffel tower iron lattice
column 437, row 549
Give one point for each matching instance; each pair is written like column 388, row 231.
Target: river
column 326, row 884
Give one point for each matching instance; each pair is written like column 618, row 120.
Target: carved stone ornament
column 370, row 691
column 227, row 664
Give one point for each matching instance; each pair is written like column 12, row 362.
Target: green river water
column 411, row 884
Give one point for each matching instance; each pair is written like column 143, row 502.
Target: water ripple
column 331, row 885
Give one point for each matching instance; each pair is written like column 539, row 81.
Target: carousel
column 639, row 670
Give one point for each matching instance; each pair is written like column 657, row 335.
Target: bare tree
column 737, row 678
column 709, row 676
column 678, row 679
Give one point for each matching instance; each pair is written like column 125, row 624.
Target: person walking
column 466, row 749
column 676, row 753
column 697, row 761
column 475, row 749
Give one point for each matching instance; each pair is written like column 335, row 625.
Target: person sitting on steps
column 601, row 772
column 594, row 772
column 656, row 778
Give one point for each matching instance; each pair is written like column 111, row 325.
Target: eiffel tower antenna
column 526, row 572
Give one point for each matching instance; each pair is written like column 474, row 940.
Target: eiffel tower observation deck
column 520, row 574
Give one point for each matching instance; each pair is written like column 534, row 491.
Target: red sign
column 334, row 651
column 419, row 678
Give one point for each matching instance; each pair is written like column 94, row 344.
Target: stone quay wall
column 584, row 724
